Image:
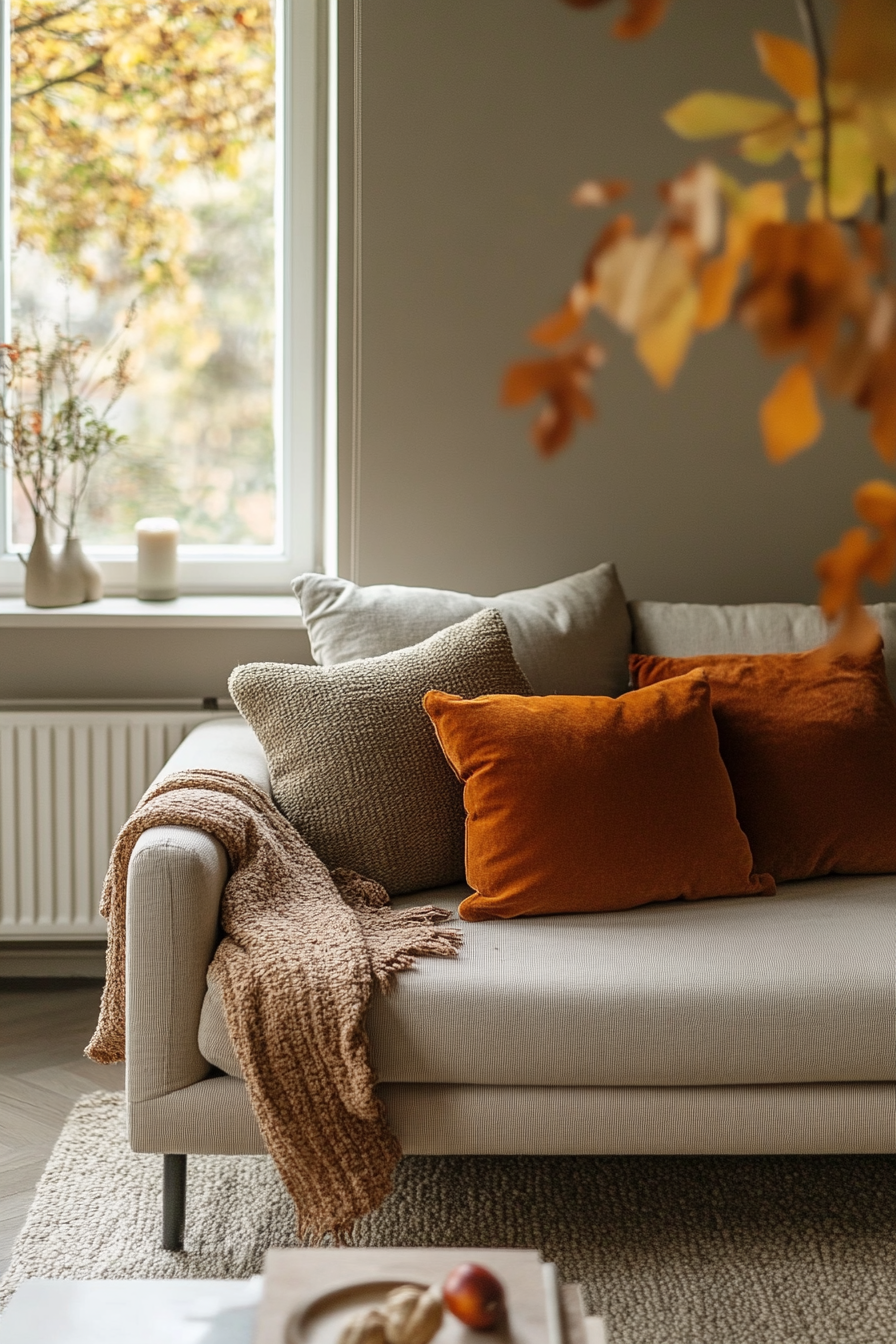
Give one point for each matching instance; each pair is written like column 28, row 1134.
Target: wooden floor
column 44, row 1027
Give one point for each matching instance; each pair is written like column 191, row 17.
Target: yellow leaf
column 790, row 64
column 768, row 144
column 789, row 415
column 663, row 346
column 877, row 117
column 763, row 202
column 852, row 166
column 704, row 115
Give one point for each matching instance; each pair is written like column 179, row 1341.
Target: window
column 169, row 155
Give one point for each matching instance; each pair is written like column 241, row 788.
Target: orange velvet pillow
column 591, row 803
column 811, row 750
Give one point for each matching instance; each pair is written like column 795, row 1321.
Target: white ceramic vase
column 63, row 578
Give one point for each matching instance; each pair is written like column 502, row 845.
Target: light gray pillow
column 570, row 637
column 688, row 629
column 355, row 764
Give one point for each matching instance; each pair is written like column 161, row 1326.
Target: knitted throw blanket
column 296, row 969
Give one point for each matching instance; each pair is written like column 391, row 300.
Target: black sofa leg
column 174, row 1200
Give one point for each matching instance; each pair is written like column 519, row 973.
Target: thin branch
column 44, row 19
column 880, row 195
column 74, row 78
column 809, row 18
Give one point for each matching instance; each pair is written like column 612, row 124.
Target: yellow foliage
column 662, row 346
column 703, row 116
column 110, row 103
column 861, row 92
column 820, row 289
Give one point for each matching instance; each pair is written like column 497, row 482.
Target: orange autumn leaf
column 642, row 16
column 566, row 321
column 842, row 569
column 763, row 202
column 599, row 192
column 879, row 396
column 559, row 326
column 789, row 415
column 872, row 245
column 859, row 555
column 803, row 283
column 864, row 46
column 790, row 64
column 718, row 281
column 875, row 503
column 563, row 380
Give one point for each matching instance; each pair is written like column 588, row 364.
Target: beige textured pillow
column 355, row 764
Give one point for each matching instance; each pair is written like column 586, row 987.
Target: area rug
column 670, row 1250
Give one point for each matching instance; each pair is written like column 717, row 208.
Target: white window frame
column 303, row 38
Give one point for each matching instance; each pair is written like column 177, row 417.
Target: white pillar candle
column 157, row 558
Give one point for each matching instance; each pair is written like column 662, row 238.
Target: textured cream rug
column 671, row 1250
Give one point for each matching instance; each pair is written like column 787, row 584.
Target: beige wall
column 478, row 116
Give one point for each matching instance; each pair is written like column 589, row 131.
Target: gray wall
column 478, row 117
column 168, row 664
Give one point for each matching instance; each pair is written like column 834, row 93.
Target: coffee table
column 238, row 1311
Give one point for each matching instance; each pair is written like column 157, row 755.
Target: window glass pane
column 144, row 171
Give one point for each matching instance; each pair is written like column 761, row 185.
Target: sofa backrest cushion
column 810, row 746
column 570, row 637
column 578, row 803
column 690, row 629
column 354, row 763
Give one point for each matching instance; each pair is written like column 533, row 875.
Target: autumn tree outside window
column 168, row 152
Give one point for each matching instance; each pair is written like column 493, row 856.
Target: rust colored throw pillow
column 811, row 750
column 590, row 803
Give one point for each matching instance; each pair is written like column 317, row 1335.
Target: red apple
column 474, row 1296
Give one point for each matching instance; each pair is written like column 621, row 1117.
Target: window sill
column 217, row 612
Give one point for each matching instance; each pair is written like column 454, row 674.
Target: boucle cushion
column 355, row 764
column 570, row 637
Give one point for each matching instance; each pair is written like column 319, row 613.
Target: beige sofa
column 746, row 1025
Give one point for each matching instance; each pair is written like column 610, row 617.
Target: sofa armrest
column 175, row 880
column 226, row 743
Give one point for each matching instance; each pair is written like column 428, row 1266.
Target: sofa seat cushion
column 792, row 988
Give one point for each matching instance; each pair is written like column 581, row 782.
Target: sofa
column 743, row 1025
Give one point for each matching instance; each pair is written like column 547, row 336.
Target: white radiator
column 69, row 779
